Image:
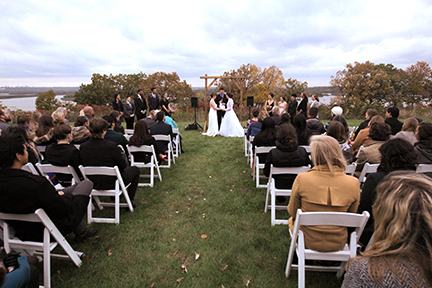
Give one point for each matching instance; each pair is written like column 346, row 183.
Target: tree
column 47, row 101
column 419, row 83
column 294, row 86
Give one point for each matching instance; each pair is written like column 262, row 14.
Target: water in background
column 25, row 104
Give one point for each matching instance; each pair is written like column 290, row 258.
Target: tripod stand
column 196, row 123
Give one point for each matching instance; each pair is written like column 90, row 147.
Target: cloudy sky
column 62, row 43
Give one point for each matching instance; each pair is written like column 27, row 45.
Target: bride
column 230, row 126
column 213, row 121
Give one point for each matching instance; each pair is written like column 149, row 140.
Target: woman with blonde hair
column 408, row 130
column 324, row 188
column 401, row 252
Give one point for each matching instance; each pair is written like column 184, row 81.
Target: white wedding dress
column 230, row 126
column 213, row 121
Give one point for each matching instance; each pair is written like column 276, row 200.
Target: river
column 23, row 103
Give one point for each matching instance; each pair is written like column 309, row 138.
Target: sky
column 62, row 43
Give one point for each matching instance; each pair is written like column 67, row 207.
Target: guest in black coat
column 286, row 154
column 266, row 137
column 161, row 128
column 63, row 154
column 302, row 107
column 98, row 152
column 303, row 133
column 114, row 136
column 141, row 137
column 23, row 193
column 392, row 114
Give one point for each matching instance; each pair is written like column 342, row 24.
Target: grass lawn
column 208, row 192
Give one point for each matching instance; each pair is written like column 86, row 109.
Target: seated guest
column 64, row 111
column 408, row 130
column 25, row 274
column 23, row 192
column 80, row 132
column 378, row 133
column 342, row 120
column 324, row 188
column 401, row 253
column 117, row 123
column 313, row 124
column 34, row 121
column 286, row 154
column 255, row 112
column 114, row 136
column 170, row 121
column 33, row 154
column 4, row 120
column 58, row 116
column 338, row 132
column 335, row 111
column 88, row 112
column 423, row 147
column 45, row 131
column 255, row 127
column 24, row 120
column 362, row 138
column 150, row 120
column 285, row 119
column 141, row 137
column 63, row 154
column 391, row 119
column 161, row 128
column 266, row 137
column 369, row 114
column 98, row 152
column 276, row 115
column 396, row 154
column 303, row 133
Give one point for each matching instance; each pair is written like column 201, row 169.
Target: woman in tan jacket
column 324, row 188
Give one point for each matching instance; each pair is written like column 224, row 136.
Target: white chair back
column 350, row 169
column 30, row 168
column 151, row 165
column 257, row 166
column 367, row 169
column 170, row 152
column 424, row 168
column 44, row 169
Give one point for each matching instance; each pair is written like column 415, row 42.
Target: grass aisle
column 208, row 192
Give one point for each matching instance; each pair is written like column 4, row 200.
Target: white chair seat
column 170, row 152
column 258, row 166
column 152, row 165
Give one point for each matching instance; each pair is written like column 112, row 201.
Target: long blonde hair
column 403, row 226
column 325, row 151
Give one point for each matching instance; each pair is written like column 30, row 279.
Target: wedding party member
column 401, row 253
column 141, row 137
column 302, row 107
column 140, row 105
column 129, row 113
column 269, row 104
column 324, row 188
column 221, row 102
column 315, row 102
column 153, row 100
column 164, row 104
column 286, row 154
column 391, row 119
column 396, row 154
column 117, row 104
column 213, row 128
column 283, row 105
column 292, row 107
column 408, row 130
column 231, row 126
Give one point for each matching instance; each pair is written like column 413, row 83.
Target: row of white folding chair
column 43, row 248
column 258, row 166
column 424, row 168
column 170, row 152
column 152, row 165
column 118, row 190
column 273, row 192
column 129, row 131
column 176, row 140
column 350, row 169
column 367, row 169
column 357, row 221
column 44, row 169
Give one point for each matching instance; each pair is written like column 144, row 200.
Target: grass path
column 208, row 192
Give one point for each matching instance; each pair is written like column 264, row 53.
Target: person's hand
column 132, row 115
column 61, row 193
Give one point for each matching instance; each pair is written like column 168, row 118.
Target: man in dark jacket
column 392, row 114
column 24, row 193
column 140, row 105
column 153, row 100
column 161, row 128
column 113, row 136
column 314, row 125
column 292, row 107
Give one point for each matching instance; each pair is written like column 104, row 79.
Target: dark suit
column 98, row 152
column 23, row 193
column 149, row 121
column 140, row 105
column 153, row 102
column 220, row 113
column 395, row 125
column 117, row 138
column 292, row 109
column 129, row 109
column 161, row 128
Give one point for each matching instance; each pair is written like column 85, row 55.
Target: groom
column 221, row 98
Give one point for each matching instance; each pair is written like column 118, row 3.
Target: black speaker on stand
column 249, row 103
column 195, row 125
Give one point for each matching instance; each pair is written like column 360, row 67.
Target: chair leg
column 341, row 270
column 301, row 262
column 117, row 207
column 273, row 206
column 47, row 259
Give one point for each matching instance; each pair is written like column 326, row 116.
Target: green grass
column 209, row 191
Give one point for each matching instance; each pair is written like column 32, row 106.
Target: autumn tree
column 47, row 101
column 294, row 86
column 419, row 84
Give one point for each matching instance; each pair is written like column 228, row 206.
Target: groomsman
column 153, row 100
column 129, row 113
column 140, row 105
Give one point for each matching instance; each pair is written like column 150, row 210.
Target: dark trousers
column 129, row 122
column 81, row 193
column 220, row 115
column 131, row 175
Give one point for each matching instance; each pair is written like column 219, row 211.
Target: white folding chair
column 424, row 168
column 128, row 136
column 30, row 168
column 272, row 191
column 367, row 169
column 358, row 152
column 350, row 169
column 307, row 148
column 129, row 131
column 118, row 190
column 250, row 153
column 44, row 169
column 245, row 142
column 170, row 152
column 41, row 149
column 351, row 131
column 151, row 165
column 257, row 166
column 177, row 150
column 38, row 248
column 357, row 221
